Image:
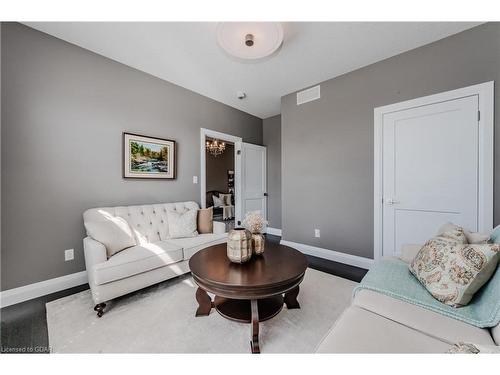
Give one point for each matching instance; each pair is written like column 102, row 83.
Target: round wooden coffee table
column 250, row 292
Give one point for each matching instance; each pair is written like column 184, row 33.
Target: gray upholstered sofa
column 377, row 323
column 155, row 258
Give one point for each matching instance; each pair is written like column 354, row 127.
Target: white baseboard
column 42, row 288
column 273, row 231
column 336, row 256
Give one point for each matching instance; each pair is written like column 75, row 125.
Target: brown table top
column 278, row 265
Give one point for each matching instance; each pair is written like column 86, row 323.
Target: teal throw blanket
column 392, row 278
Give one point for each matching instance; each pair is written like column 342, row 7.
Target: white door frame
column 237, row 167
column 485, row 92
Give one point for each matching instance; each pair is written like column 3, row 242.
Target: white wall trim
column 237, row 167
column 335, row 256
column 485, row 92
column 273, row 231
column 42, row 288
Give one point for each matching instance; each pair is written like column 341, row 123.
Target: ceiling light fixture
column 215, row 147
column 250, row 40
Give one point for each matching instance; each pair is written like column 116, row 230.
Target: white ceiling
column 187, row 54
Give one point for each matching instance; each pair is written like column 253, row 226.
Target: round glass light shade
column 266, row 37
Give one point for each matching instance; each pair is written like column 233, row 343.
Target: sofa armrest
column 219, row 227
column 95, row 253
column 409, row 252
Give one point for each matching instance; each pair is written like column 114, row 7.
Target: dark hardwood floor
column 328, row 266
column 24, row 326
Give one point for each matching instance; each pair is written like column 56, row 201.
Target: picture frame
column 148, row 157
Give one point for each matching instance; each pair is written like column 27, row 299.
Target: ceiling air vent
column 308, row 95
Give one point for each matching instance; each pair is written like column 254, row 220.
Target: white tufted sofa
column 155, row 258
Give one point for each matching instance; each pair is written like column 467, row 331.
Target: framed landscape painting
column 148, row 157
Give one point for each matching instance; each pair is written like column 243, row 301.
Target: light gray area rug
column 160, row 319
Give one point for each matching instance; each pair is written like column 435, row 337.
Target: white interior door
column 430, row 170
column 253, row 179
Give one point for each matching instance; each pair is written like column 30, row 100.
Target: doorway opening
column 220, row 176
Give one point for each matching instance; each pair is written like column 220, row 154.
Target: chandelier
column 215, row 147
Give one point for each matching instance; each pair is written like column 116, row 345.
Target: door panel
column 430, row 171
column 406, row 232
column 254, row 179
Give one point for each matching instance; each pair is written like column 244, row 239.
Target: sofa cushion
column 114, row 233
column 425, row 321
column 194, row 244
column 361, row 331
column 135, row 260
column 148, row 222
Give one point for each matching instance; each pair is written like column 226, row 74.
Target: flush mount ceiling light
column 250, row 40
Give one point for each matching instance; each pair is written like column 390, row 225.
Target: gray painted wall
column 217, row 167
column 63, row 113
column 272, row 139
column 1, row 100
column 327, row 170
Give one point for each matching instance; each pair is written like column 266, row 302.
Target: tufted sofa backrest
column 148, row 222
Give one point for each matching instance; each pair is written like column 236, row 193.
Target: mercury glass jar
column 258, row 242
column 239, row 245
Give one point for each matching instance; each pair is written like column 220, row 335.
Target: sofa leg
column 100, row 309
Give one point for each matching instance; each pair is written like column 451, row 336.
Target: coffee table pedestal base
column 240, row 310
column 247, row 311
column 250, row 311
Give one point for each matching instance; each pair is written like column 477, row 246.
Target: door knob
column 265, row 194
column 392, row 201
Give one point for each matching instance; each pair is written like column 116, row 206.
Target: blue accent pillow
column 495, row 235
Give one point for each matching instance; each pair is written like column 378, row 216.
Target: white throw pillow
column 217, row 201
column 226, row 199
column 114, row 233
column 472, row 237
column 183, row 224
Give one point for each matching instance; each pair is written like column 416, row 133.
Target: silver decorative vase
column 258, row 242
column 239, row 245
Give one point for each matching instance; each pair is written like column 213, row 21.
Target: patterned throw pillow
column 468, row 348
column 464, row 348
column 452, row 270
